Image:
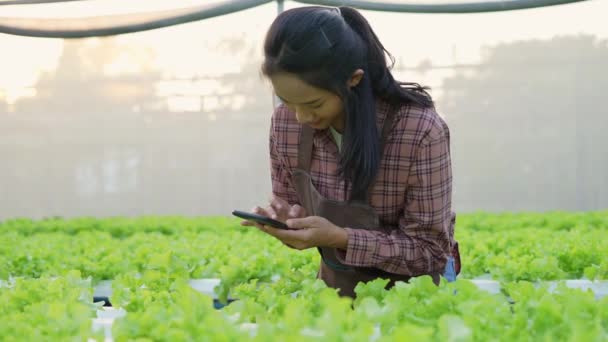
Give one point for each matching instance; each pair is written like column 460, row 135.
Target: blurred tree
column 255, row 93
column 528, row 126
column 96, row 75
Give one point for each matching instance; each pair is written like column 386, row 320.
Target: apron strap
column 306, row 143
column 305, row 148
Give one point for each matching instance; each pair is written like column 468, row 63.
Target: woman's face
column 313, row 106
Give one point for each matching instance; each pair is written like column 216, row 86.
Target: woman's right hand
column 278, row 209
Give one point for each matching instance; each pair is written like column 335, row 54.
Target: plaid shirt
column 412, row 193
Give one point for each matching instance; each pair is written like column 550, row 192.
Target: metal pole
column 441, row 7
column 98, row 26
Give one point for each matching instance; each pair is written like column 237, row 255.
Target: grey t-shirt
column 337, row 137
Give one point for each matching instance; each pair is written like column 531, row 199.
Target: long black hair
column 323, row 46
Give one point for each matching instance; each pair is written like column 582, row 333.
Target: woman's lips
column 316, row 123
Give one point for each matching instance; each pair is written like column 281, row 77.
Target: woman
column 360, row 163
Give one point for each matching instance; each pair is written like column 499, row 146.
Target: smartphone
column 260, row 219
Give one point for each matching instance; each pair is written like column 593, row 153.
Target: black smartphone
column 260, row 219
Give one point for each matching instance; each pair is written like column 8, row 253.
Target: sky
column 188, row 49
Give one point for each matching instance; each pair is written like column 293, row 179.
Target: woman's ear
column 355, row 78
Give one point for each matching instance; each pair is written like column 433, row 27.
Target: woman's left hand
column 311, row 231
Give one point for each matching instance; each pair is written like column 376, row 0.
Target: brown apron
column 357, row 215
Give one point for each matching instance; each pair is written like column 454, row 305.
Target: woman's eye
column 318, row 106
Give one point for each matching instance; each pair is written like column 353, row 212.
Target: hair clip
column 329, row 43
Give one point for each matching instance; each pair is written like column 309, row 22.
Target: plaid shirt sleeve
column 421, row 244
column 279, row 171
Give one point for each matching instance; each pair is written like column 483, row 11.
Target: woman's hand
column 312, row 231
column 278, row 209
column 305, row 232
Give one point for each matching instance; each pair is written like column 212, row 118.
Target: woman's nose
column 303, row 117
